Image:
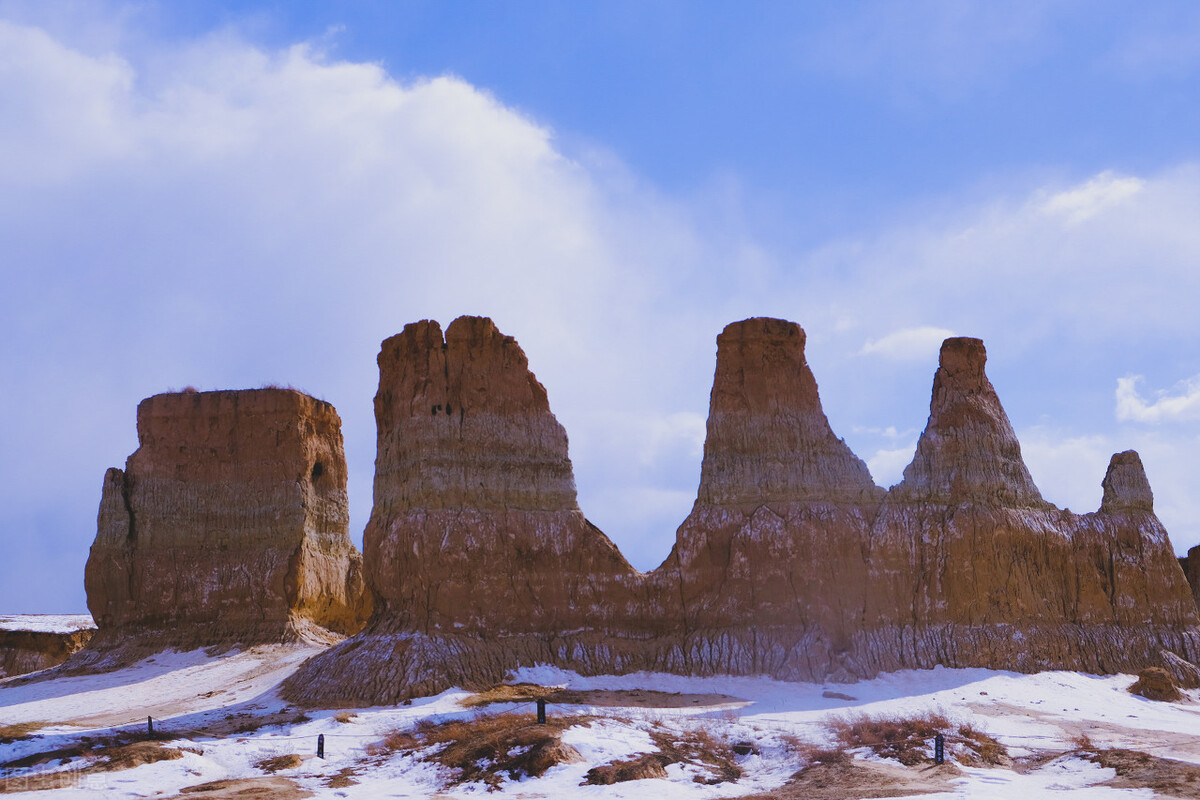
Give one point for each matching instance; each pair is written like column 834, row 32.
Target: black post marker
column 939, row 749
column 150, row 726
column 541, row 711
column 320, row 745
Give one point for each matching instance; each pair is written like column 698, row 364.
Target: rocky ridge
column 792, row 562
column 228, row 524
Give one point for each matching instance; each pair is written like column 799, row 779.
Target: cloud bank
column 221, row 214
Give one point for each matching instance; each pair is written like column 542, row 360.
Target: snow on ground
column 190, row 693
column 170, row 684
column 46, row 623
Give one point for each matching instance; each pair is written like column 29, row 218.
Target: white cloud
column 1180, row 403
column 1103, row 192
column 1069, row 469
column 224, row 215
column 908, row 344
column 887, row 466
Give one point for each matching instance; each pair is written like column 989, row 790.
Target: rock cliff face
column 792, row 562
column 228, row 524
column 477, row 552
column 769, row 570
column 976, row 569
column 1191, row 566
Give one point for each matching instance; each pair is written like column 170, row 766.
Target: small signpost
column 320, row 745
column 939, row 749
column 541, row 705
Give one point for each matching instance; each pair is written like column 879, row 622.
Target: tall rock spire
column 768, row 437
column 968, row 451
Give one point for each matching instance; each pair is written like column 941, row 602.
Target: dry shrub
column 904, row 739
column 345, row 777
column 136, row 754
column 978, row 748
column 700, row 748
column 273, row 765
column 488, row 748
column 344, row 717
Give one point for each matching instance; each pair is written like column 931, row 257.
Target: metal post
column 939, row 749
column 541, row 711
column 150, row 726
column 320, row 745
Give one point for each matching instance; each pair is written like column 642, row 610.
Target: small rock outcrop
column 228, row 524
column 477, row 553
column 1154, row 683
column 30, row 643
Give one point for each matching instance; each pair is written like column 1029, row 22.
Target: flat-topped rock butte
column 792, row 562
column 229, row 524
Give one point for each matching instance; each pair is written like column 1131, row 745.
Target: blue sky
column 235, row 194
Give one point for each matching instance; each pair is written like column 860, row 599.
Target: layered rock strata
column 793, row 563
column 478, row 555
column 228, row 524
column 1191, row 567
column 976, row 569
column 769, row 569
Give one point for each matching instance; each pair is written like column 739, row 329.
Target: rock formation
column 1191, row 567
column 228, row 524
column 769, row 569
column 477, row 553
column 976, row 569
column 792, row 562
column 27, row 644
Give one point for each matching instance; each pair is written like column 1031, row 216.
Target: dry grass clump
column 1138, row 770
column 715, row 758
column 904, row 739
column 977, row 748
column 909, row 739
column 344, row 716
column 277, row 763
column 19, row 731
column 488, row 748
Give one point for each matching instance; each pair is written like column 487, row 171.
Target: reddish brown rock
column 1191, row 566
column 769, row 568
column 478, row 555
column 1154, row 683
column 31, row 643
column 972, row 568
column 228, row 524
column 792, row 562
